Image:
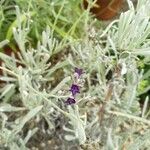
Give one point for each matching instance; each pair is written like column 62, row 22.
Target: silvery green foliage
column 9, row 136
column 131, row 32
column 3, row 43
column 30, row 75
column 99, row 54
column 78, row 125
column 125, row 38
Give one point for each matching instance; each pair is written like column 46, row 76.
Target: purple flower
column 70, row 101
column 74, row 89
column 79, row 71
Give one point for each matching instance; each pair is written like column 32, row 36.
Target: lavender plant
column 75, row 87
column 96, row 107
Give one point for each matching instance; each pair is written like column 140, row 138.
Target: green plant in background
column 145, row 82
column 7, row 16
column 66, row 18
column 60, row 15
column 107, row 114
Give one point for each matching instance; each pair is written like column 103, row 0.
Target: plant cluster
column 103, row 109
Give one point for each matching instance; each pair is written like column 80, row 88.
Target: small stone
column 43, row 144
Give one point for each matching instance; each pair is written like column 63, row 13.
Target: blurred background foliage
column 64, row 17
